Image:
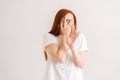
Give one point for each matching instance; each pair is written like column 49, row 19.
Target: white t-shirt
column 67, row 71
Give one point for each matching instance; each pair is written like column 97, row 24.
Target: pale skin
column 69, row 36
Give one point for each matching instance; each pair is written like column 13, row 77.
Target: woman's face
column 69, row 19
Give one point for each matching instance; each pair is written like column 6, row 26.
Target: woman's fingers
column 62, row 26
column 74, row 31
column 66, row 26
column 65, row 23
column 71, row 23
column 77, row 34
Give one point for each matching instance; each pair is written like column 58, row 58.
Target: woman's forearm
column 78, row 59
column 62, row 50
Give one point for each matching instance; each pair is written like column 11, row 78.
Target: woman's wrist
column 64, row 36
column 63, row 41
column 72, row 48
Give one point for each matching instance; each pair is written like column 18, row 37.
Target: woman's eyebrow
column 67, row 19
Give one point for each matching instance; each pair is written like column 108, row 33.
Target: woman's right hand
column 66, row 27
column 65, row 32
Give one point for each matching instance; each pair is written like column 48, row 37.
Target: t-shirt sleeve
column 82, row 43
column 49, row 39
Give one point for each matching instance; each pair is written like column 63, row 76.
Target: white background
column 24, row 22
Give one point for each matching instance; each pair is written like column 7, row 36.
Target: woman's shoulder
column 49, row 36
column 81, row 35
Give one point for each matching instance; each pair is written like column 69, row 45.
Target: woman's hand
column 66, row 27
column 71, row 40
column 68, row 32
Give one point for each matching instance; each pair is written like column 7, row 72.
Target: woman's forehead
column 69, row 16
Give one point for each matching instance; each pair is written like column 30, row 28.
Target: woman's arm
column 79, row 57
column 58, row 53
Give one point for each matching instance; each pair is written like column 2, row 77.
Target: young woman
column 65, row 48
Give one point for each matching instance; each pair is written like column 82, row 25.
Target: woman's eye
column 67, row 21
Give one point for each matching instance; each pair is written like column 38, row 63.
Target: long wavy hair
column 56, row 24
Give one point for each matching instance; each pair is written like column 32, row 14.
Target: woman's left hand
column 71, row 40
